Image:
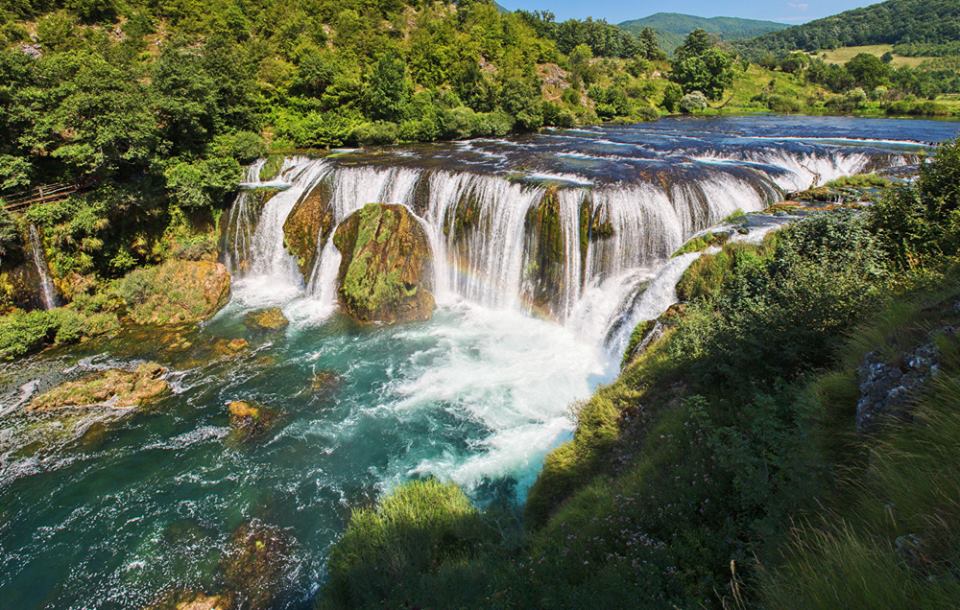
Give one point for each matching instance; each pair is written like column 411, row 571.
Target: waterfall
column 48, row 292
column 483, row 221
column 610, row 267
column 649, row 304
column 271, row 274
column 570, row 201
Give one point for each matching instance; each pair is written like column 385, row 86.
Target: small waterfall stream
column 48, row 292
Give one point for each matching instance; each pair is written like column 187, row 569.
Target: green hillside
column 928, row 22
column 671, row 28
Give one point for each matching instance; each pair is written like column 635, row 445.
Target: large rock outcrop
column 114, row 387
column 176, row 292
column 386, row 271
column 889, row 388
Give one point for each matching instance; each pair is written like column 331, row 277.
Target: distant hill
column 672, row 28
column 934, row 22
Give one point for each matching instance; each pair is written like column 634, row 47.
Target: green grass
column 899, row 488
column 845, row 54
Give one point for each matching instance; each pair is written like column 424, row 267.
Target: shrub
column 394, row 551
column 24, row 333
column 376, row 133
column 204, row 183
column 693, row 102
column 672, row 95
column 244, row 146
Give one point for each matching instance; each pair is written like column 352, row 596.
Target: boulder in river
column 255, row 565
column 191, row 600
column 114, row 387
column 309, row 226
column 248, row 419
column 230, row 347
column 266, row 320
column 386, row 271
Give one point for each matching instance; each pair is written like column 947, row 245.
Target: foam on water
column 513, row 375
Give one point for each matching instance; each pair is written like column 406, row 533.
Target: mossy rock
column 309, row 226
column 254, row 567
column 230, row 347
column 386, row 271
column 325, row 382
column 176, row 292
column 249, row 420
column 115, row 387
column 266, row 320
column 192, row 600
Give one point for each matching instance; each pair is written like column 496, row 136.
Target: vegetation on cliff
column 683, row 478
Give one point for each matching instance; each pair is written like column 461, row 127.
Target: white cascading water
column 488, row 266
column 272, row 276
column 48, row 292
column 802, row 171
column 655, row 299
column 477, row 224
column 570, row 201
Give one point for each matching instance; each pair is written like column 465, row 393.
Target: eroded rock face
column 176, row 292
column 386, row 273
column 309, row 225
column 115, row 387
column 888, row 389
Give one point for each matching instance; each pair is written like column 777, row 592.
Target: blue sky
column 615, row 11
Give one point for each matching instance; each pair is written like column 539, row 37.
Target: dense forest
column 891, row 22
column 159, row 104
column 672, row 28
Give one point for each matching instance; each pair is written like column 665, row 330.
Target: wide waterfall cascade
column 548, row 250
column 611, row 219
column 48, row 292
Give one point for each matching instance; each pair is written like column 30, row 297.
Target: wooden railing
column 47, row 193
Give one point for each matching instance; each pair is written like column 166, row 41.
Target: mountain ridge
column 890, row 22
column 672, row 28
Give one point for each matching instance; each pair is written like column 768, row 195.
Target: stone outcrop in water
column 115, row 387
column 386, row 271
column 255, row 565
column 176, row 292
column 309, row 225
column 266, row 320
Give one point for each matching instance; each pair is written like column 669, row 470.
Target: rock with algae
column 386, row 271
column 248, row 419
column 114, row 387
column 266, row 320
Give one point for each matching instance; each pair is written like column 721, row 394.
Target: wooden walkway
column 47, row 193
